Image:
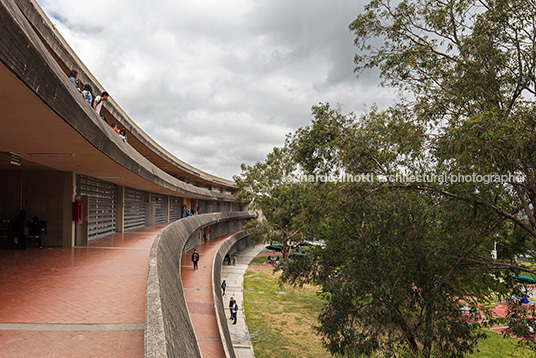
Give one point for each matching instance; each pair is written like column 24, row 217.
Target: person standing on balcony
column 123, row 135
column 73, row 77
column 97, row 104
column 87, row 93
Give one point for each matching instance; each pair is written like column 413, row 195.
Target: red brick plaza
column 90, row 301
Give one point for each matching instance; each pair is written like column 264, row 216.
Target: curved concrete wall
column 216, row 291
column 59, row 46
column 168, row 329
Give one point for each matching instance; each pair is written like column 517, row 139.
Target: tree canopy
column 410, row 200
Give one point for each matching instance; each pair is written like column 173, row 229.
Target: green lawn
column 497, row 346
column 258, row 261
column 282, row 324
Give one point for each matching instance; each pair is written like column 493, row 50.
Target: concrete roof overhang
column 46, row 121
column 144, row 144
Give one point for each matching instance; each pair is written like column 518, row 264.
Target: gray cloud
column 220, row 83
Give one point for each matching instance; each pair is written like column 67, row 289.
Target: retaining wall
column 223, row 327
column 168, row 329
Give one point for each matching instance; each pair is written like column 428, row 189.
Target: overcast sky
column 220, row 83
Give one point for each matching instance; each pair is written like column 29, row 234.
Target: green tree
column 398, row 261
column 269, row 189
column 400, row 255
column 470, row 70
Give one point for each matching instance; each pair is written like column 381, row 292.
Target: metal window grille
column 160, row 208
column 134, row 210
column 175, row 210
column 102, row 206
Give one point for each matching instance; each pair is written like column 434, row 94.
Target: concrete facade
column 57, row 136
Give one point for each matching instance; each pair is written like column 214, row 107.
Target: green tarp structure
column 525, row 279
column 274, row 247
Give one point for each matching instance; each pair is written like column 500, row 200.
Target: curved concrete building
column 61, row 162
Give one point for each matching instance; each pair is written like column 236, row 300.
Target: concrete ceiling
column 45, row 141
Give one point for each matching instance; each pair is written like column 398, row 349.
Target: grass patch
column 258, row 261
column 497, row 346
column 286, row 319
column 285, row 322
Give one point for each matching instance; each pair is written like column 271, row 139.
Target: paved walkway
column 197, row 287
column 90, row 301
column 76, row 302
column 234, row 277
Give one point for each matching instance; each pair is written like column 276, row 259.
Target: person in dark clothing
column 36, row 230
column 234, row 310
column 195, row 259
column 231, row 302
column 20, row 229
column 223, row 287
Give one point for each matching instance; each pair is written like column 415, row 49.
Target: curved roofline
column 57, row 44
column 39, row 79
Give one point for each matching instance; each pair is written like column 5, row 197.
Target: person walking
column 223, row 286
column 195, row 259
column 234, row 310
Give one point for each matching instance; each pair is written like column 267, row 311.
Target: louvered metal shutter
column 175, row 210
column 134, row 211
column 160, row 208
column 203, row 206
column 214, row 206
column 225, row 206
column 236, row 207
column 192, row 240
column 102, row 206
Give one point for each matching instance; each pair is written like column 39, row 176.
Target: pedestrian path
column 234, row 277
column 76, row 302
column 199, row 298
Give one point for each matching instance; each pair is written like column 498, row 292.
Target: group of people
column 96, row 103
column 185, row 212
column 233, row 307
column 24, row 228
column 228, row 259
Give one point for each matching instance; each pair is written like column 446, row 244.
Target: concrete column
column 72, row 239
column 168, row 210
column 120, row 214
column 150, row 209
column 68, row 191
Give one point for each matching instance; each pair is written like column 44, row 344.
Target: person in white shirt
column 97, row 104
